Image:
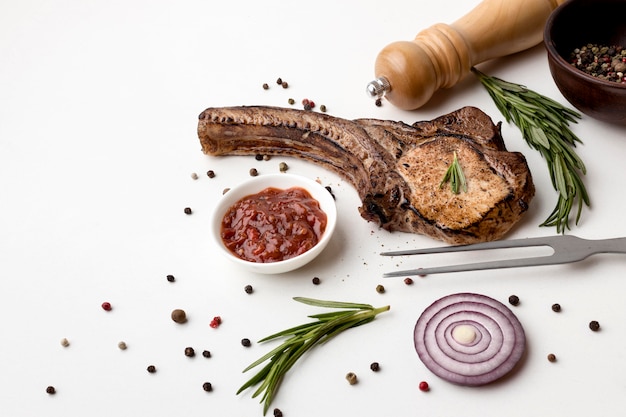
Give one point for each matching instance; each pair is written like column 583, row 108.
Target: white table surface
column 98, row 114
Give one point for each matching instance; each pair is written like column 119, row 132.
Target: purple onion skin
column 499, row 344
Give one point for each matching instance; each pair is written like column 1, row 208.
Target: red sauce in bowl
column 273, row 225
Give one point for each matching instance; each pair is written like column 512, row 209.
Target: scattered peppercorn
column 291, row 101
column 513, row 300
column 106, row 306
column 188, row 210
column 283, row 167
column 179, row 316
column 245, row 342
column 284, row 84
column 51, row 390
column 225, row 190
column 194, row 176
column 594, row 325
column 423, row 386
column 65, row 342
column 151, row 369
column 316, row 281
column 266, row 157
column 253, row 172
column 378, row 102
column 408, row 281
column 258, row 157
column 351, row 377
column 207, row 387
column 552, row 357
column 375, row 366
column 206, row 353
column 278, row 413
column 279, row 81
column 210, row 173
column 190, row 352
column 170, row 278
column 122, row 345
column 380, row 289
column 248, row 289
column 556, row 307
column 215, row 322
column 265, row 86
column 323, row 108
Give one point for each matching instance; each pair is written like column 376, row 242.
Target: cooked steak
column 396, row 168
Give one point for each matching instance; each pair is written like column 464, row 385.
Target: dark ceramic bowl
column 576, row 23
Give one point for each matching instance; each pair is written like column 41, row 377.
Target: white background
column 98, row 113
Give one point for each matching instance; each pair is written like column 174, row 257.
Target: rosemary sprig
column 454, row 175
column 302, row 338
column 544, row 124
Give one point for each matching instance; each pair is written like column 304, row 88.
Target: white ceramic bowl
column 281, row 181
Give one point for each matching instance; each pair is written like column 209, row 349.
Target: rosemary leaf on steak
column 454, row 175
column 544, row 124
column 300, row 339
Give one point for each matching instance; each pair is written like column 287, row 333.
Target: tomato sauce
column 273, row 225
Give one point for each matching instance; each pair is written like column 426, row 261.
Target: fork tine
column 498, row 244
column 478, row 266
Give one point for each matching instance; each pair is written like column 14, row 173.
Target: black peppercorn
column 556, row 307
column 594, row 325
column 265, row 86
column 284, row 84
column 378, row 102
column 248, row 289
column 170, row 278
column 279, row 81
column 253, row 172
column 552, row 357
column 190, row 352
column 187, row 210
column 245, row 342
column 375, row 366
column 210, row 173
column 278, row 413
column 316, row 281
column 513, row 300
column 258, row 157
column 207, row 387
column 51, row 390
column 151, row 369
column 206, row 353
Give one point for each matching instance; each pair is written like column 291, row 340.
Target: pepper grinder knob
column 409, row 72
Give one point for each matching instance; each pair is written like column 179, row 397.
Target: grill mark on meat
column 396, row 168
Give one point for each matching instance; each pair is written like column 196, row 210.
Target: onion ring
column 469, row 339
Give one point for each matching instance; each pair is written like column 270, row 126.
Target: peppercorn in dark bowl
column 586, row 46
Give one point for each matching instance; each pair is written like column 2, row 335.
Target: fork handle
column 615, row 245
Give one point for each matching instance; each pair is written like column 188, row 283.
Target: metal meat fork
column 566, row 249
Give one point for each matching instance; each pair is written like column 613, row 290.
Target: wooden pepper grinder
column 409, row 72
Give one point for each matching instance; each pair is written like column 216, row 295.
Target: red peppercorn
column 423, row 386
column 106, row 306
column 217, row 320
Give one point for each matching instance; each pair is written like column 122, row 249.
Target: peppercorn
column 190, row 352
column 253, row 172
column 245, row 342
column 278, row 413
column 225, row 190
column 283, row 167
column 284, row 84
column 408, row 281
column 106, row 306
column 258, row 157
column 210, row 173
column 423, row 386
column 215, row 322
column 351, row 377
column 513, row 300
column 594, row 325
column 552, row 357
column 194, row 176
column 265, row 86
column 279, row 81
column 316, row 281
column 375, row 366
column 556, row 307
column 65, row 342
column 266, row 157
column 248, row 289
column 207, row 387
column 378, row 102
column 179, row 316
column 206, row 353
column 122, row 345
column 188, row 210
column 380, row 289
column 170, row 278
column 323, row 108
column 151, row 369
column 291, row 101
column 51, row 390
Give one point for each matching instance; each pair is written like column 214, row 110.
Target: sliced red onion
column 469, row 339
